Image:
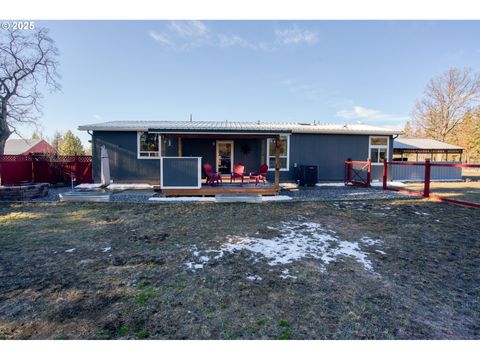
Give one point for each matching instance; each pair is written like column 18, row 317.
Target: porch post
column 179, row 147
column 277, row 161
column 262, row 152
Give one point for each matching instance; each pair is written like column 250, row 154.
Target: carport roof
column 423, row 144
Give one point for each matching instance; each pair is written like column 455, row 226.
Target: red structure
column 358, row 173
column 53, row 169
column 426, row 187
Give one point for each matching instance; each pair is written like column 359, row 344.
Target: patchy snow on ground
column 183, row 199
column 389, row 183
column 88, row 186
column 105, row 249
column 276, row 198
column 254, row 277
column 330, row 184
column 130, row 187
column 292, row 242
column 70, row 250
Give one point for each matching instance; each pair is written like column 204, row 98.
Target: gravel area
column 317, row 193
column 327, row 193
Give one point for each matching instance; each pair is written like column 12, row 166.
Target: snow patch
column 389, row 183
column 88, row 186
column 330, row 184
column 294, row 241
column 70, row 250
column 183, row 199
column 130, row 186
column 108, row 248
column 254, row 277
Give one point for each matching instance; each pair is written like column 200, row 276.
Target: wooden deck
column 208, row 190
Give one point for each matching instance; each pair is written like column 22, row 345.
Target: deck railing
column 180, row 172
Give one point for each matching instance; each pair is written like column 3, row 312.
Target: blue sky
column 328, row 71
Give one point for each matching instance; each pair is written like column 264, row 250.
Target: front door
column 224, row 156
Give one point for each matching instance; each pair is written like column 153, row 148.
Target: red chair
column 238, row 172
column 212, row 176
column 261, row 176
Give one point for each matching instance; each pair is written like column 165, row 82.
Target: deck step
column 93, row 196
column 228, row 198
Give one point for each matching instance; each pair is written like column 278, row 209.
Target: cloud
column 185, row 35
column 360, row 112
column 295, row 35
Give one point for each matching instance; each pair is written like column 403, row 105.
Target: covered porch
column 182, row 173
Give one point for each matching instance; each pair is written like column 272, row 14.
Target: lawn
column 404, row 269
column 466, row 191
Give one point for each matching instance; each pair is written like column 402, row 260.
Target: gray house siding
column 122, row 152
column 327, row 151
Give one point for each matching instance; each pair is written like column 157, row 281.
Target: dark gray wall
column 122, row 152
column 326, row 151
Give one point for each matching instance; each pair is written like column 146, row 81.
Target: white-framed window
column 284, row 153
column 378, row 149
column 149, row 145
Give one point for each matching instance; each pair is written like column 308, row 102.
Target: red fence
column 16, row 169
column 358, row 173
column 426, row 186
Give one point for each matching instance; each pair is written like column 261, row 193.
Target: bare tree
column 445, row 102
column 28, row 61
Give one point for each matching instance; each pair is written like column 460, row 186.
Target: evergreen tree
column 71, row 145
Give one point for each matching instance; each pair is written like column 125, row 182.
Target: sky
column 300, row 71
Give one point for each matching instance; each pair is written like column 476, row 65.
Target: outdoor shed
column 140, row 150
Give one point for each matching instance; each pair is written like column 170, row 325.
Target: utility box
column 307, row 175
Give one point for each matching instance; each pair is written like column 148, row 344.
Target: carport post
column 426, row 186
column 385, row 174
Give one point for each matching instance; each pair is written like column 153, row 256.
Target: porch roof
column 237, row 127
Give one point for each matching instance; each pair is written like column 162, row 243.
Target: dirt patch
column 127, row 275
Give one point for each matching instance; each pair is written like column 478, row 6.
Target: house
column 28, row 146
column 140, row 150
column 405, row 149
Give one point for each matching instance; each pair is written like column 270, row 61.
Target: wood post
column 369, row 172
column 262, row 152
column 426, row 186
column 385, row 174
column 179, row 147
column 277, row 162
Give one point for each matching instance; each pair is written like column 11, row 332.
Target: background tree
column 445, row 102
column 71, row 145
column 36, row 135
column 468, row 136
column 28, row 60
column 56, row 140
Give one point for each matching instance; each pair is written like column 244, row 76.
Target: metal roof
column 423, row 144
column 238, row 127
column 19, row 146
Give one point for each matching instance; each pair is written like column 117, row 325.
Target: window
column 284, row 152
column 149, row 145
column 378, row 149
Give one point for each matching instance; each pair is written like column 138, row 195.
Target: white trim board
column 232, row 153
column 370, row 147
column 267, row 154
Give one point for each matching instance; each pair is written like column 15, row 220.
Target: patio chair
column 261, row 176
column 212, row 176
column 238, row 172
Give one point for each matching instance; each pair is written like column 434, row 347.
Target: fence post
column 426, row 186
column 33, row 167
column 348, row 170
column 76, row 167
column 385, row 174
column 369, row 172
